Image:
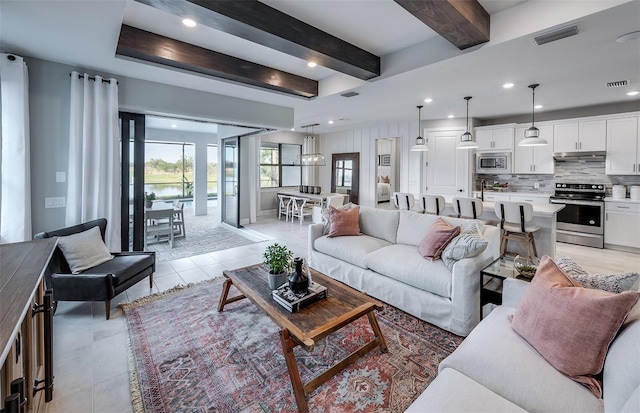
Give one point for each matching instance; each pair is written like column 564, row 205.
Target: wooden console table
column 26, row 321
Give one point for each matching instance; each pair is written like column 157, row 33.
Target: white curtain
column 15, row 207
column 94, row 159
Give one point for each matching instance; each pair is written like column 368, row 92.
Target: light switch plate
column 61, row 176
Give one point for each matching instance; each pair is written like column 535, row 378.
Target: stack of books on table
column 294, row 302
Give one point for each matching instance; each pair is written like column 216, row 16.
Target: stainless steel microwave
column 493, row 163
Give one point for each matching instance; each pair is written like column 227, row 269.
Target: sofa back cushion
column 379, row 223
column 621, row 374
column 413, row 226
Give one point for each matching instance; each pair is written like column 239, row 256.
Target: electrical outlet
column 536, row 185
column 55, row 202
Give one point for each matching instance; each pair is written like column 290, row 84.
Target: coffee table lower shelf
column 309, row 325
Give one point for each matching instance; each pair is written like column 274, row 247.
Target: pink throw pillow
column 436, row 239
column 571, row 326
column 344, row 221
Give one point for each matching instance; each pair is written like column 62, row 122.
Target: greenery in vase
column 150, row 197
column 279, row 258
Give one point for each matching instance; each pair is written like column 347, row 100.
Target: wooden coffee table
column 304, row 328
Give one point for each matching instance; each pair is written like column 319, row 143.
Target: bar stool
column 284, row 206
column 432, row 204
column 467, row 207
column 403, row 200
column 514, row 217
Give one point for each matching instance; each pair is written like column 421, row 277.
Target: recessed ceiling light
column 174, row 125
column 629, row 36
column 633, row 93
column 507, row 85
column 537, row 107
column 312, row 64
column 188, row 22
column 428, row 100
column 450, row 116
column 330, row 122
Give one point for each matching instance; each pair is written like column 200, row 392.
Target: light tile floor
column 90, row 353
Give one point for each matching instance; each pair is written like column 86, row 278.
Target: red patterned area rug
column 187, row 357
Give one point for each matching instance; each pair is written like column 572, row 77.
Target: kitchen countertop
column 523, row 193
column 541, row 210
column 627, row 200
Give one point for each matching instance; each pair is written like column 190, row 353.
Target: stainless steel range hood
column 579, row 156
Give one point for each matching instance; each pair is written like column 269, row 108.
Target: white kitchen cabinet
column 622, row 224
column 493, row 197
column 534, row 159
column 494, row 139
column 623, row 147
column 584, row 136
column 533, row 199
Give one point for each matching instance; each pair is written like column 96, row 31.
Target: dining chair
column 432, row 204
column 514, row 217
column 284, row 206
column 301, row 207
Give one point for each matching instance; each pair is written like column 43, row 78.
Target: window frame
column 279, row 165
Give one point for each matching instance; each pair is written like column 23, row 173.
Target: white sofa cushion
column 352, row 249
column 404, row 263
column 412, row 226
column 499, row 359
column 621, row 373
column 453, row 392
column 379, row 223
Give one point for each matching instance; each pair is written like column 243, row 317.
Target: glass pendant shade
column 310, row 159
column 466, row 139
column 532, row 135
column 421, row 145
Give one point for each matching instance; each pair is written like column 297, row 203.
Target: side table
column 491, row 278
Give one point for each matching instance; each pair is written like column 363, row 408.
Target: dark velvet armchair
column 102, row 282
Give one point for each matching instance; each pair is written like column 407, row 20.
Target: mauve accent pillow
column 569, row 325
column 436, row 239
column 344, row 222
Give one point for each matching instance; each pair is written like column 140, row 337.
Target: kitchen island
column 544, row 216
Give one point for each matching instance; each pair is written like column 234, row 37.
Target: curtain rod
column 81, row 76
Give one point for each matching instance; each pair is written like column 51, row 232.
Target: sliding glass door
column 230, row 181
column 132, row 134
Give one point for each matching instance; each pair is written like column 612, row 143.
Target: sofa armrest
column 82, row 287
column 512, row 291
column 315, row 232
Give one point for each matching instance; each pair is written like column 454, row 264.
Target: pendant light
column 310, row 159
column 466, row 139
column 532, row 135
column 420, row 145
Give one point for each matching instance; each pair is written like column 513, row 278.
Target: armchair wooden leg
column 151, row 281
column 107, row 307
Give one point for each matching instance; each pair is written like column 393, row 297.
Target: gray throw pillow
column 615, row 283
column 84, row 250
column 469, row 243
column 326, row 221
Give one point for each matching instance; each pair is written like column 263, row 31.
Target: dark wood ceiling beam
column 262, row 24
column 151, row 47
column 465, row 23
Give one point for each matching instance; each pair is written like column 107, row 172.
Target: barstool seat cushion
column 518, row 228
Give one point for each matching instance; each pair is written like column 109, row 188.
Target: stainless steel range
column 582, row 219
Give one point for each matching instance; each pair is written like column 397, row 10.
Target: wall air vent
column 617, row 83
column 349, row 94
column 556, row 35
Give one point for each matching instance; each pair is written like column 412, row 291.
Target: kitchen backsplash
column 569, row 171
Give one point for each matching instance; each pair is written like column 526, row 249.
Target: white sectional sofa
column 384, row 262
column 496, row 370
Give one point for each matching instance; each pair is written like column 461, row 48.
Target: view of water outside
column 168, row 170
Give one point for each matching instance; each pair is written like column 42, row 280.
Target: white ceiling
column 416, row 63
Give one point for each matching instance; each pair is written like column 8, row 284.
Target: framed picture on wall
column 384, row 160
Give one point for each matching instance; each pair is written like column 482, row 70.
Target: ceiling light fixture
column 507, row 85
column 189, row 22
column 532, row 135
column 330, row 122
column 450, row 116
column 428, row 100
column 421, row 144
column 312, row 64
column 310, row 159
column 174, row 125
column 632, row 93
column 466, row 139
column 629, row 36
column 538, row 107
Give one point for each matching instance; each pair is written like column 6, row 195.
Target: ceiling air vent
column 556, row 35
column 617, row 83
column 349, row 94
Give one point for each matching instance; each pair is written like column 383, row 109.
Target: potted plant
column 149, row 198
column 279, row 259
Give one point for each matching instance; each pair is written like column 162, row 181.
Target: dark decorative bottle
column 298, row 280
